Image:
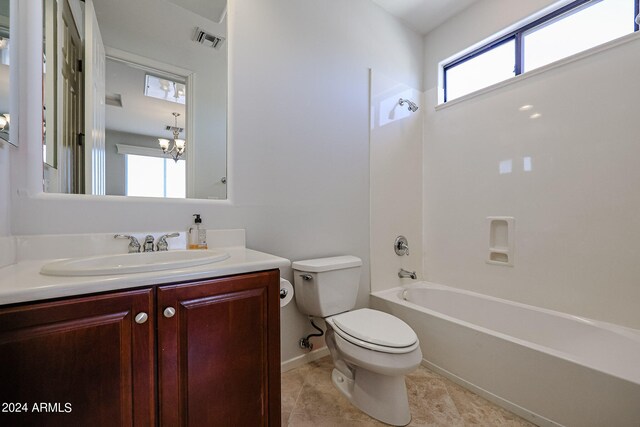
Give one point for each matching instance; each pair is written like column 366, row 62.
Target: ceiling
column 214, row 10
column 139, row 114
column 424, row 15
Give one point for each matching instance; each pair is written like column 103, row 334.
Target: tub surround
column 21, row 280
column 395, row 150
column 568, row 181
column 548, row 367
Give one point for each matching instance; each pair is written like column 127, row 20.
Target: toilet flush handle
column 306, row 277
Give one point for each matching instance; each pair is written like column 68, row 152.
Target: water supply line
column 305, row 342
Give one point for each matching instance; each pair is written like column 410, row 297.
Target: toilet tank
column 326, row 286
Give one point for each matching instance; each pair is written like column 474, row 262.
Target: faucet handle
column 134, row 245
column 401, row 246
column 162, row 244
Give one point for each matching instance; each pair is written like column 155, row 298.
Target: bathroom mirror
column 135, row 96
column 4, row 72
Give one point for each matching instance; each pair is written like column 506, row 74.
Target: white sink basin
column 131, row 263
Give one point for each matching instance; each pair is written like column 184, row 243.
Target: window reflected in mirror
column 150, row 176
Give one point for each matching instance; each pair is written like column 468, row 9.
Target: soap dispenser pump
column 197, row 234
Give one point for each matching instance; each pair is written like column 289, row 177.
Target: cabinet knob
column 141, row 317
column 169, row 312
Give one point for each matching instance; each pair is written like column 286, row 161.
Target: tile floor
column 309, row 399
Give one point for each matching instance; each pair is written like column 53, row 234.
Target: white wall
column 5, row 199
column 299, row 139
column 7, row 250
column 577, row 226
column 396, row 180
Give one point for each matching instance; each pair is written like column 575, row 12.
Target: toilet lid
column 376, row 327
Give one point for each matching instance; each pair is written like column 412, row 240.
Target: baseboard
column 536, row 419
column 303, row 359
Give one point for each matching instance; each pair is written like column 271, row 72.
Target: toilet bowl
column 369, row 374
column 372, row 351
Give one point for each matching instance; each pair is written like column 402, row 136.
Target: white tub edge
column 627, row 332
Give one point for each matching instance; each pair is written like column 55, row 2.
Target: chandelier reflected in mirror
column 176, row 146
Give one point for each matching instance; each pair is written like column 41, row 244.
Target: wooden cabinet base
column 222, row 373
column 86, row 361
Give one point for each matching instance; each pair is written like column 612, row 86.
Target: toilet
column 372, row 351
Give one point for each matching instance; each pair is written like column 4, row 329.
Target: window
column 155, row 177
column 576, row 27
column 492, row 66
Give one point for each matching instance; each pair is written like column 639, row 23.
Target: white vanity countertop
column 22, row 281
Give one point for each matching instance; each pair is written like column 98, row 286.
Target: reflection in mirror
column 145, row 106
column 141, row 111
column 5, row 117
column 49, row 148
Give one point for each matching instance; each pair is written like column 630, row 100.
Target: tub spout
column 405, row 273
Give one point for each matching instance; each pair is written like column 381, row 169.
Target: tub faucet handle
column 401, row 246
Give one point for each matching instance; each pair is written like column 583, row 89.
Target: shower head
column 411, row 106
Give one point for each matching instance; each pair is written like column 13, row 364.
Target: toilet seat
column 375, row 330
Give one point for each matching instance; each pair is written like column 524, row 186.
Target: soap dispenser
column 197, row 234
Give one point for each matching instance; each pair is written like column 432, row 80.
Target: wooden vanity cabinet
column 216, row 358
column 219, row 353
column 81, row 361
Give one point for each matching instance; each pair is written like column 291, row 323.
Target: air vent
column 173, row 128
column 114, row 99
column 207, row 39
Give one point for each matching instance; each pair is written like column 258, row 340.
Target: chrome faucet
column 403, row 274
column 148, row 246
column 401, row 246
column 134, row 245
column 162, row 244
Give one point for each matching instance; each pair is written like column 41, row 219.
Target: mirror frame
column 190, row 109
column 26, row 77
column 14, row 104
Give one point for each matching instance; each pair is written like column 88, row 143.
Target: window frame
column 518, row 34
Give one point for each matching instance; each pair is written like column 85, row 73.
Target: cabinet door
column 219, row 354
column 78, row 362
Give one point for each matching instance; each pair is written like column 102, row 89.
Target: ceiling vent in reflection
column 207, row 39
column 114, row 99
column 173, row 128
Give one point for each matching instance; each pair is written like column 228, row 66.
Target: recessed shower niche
column 501, row 240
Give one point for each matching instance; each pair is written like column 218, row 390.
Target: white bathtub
column 549, row 367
